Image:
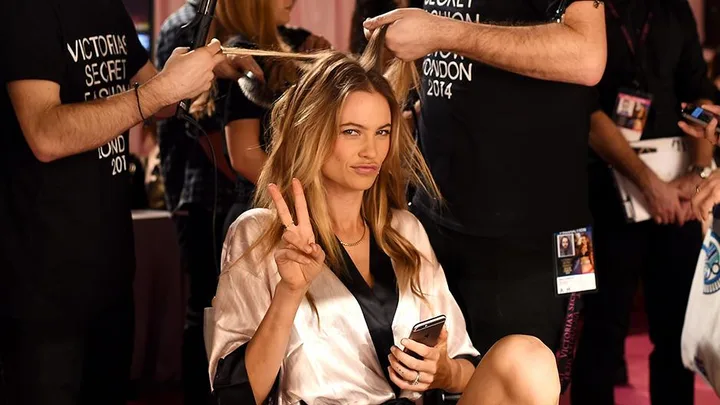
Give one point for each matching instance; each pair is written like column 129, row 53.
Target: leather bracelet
column 137, row 96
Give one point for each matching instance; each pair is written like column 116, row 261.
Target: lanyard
column 637, row 53
column 626, row 32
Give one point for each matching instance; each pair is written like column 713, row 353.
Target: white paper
column 667, row 157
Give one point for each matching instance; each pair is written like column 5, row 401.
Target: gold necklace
column 358, row 242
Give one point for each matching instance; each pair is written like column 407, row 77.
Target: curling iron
column 201, row 25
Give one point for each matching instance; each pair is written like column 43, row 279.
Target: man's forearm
column 553, row 51
column 69, row 129
column 607, row 141
column 147, row 73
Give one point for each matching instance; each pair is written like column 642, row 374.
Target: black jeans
column 198, row 260
column 663, row 258
column 68, row 361
column 504, row 286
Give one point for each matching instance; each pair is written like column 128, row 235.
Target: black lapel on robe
column 378, row 304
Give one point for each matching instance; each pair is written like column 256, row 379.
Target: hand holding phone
column 426, row 332
column 418, row 373
column 701, row 117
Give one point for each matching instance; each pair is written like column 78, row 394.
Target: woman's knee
column 527, row 369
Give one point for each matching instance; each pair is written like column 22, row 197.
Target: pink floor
column 637, row 351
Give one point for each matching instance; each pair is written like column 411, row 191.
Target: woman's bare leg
column 517, row 370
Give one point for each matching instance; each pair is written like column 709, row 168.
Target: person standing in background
column 655, row 59
column 188, row 173
column 244, row 113
column 504, row 109
column 72, row 86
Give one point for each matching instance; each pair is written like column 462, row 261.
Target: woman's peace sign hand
column 299, row 258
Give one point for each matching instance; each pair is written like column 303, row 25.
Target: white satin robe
column 337, row 362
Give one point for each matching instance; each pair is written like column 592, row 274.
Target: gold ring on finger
column 417, row 378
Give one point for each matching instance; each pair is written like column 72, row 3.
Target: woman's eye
column 383, row 132
column 351, row 132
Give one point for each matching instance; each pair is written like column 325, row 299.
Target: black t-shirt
column 508, row 152
column 67, row 242
column 670, row 67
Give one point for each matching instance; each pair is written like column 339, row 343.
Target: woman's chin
column 366, row 183
column 351, row 184
column 358, row 187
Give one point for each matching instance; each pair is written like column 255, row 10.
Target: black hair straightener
column 201, row 25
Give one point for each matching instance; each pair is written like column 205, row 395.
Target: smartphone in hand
column 426, row 332
column 699, row 116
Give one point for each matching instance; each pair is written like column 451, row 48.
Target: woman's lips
column 366, row 169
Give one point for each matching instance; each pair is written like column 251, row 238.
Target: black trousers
column 504, row 286
column 663, row 258
column 198, row 260
column 67, row 361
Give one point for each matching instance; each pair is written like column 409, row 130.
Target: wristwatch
column 702, row 171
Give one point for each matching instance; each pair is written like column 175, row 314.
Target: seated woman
column 321, row 286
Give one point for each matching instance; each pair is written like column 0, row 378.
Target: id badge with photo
column 631, row 113
column 574, row 261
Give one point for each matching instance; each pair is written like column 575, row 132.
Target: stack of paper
column 667, row 157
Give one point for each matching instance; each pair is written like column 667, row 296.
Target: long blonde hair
column 304, row 124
